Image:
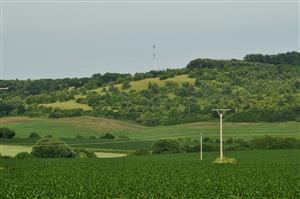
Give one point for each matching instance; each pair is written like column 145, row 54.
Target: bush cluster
column 265, row 142
column 58, row 113
column 54, row 148
column 7, row 133
column 167, row 146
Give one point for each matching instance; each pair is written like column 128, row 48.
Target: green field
column 257, row 174
column 92, row 126
column 140, row 137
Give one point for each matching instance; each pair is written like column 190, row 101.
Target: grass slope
column 257, row 174
column 67, row 127
column 72, row 104
column 143, row 84
column 93, row 126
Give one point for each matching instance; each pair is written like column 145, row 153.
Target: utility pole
column 221, row 112
column 201, row 156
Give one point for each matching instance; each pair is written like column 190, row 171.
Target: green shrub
column 82, row 153
column 34, row 135
column 123, row 137
column 51, row 148
column 141, row 152
column 56, row 115
column 23, row 155
column 107, row 136
column 7, row 133
column 48, row 136
column 5, row 157
column 167, row 146
column 79, row 136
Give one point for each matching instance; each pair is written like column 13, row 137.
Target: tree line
column 254, row 91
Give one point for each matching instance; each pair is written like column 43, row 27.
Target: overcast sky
column 55, row 40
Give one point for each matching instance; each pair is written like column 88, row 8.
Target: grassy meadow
column 71, row 104
column 138, row 137
column 143, row 84
column 87, row 126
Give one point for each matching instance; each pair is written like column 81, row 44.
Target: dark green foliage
column 5, row 157
column 23, row 155
column 48, row 136
column 268, row 142
column 231, row 144
column 141, row 152
column 149, row 118
column 167, row 146
column 7, row 133
column 123, row 137
column 125, row 84
column 65, row 113
column 292, row 58
column 51, row 148
column 34, row 135
column 56, row 114
column 254, row 91
column 82, row 153
column 107, row 136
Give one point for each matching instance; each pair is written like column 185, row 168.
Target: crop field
column 257, row 174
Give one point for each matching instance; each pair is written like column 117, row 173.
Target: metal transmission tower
column 154, row 56
column 221, row 112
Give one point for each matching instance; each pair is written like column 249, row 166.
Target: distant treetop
column 291, row 58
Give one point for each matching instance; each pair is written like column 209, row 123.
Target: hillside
column 257, row 89
column 138, row 85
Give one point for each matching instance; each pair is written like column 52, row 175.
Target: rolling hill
column 87, row 126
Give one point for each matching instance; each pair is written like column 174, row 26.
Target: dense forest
column 258, row 88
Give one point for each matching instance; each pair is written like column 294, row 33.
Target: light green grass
column 12, row 150
column 68, row 127
column 143, row 84
column 72, row 104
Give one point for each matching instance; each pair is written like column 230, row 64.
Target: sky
column 78, row 39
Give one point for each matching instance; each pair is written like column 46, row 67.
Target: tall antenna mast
column 154, row 56
column 221, row 112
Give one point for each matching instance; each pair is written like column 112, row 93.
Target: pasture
column 143, row 84
column 71, row 104
column 86, row 126
column 257, row 174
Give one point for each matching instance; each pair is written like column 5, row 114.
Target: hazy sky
column 54, row 40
